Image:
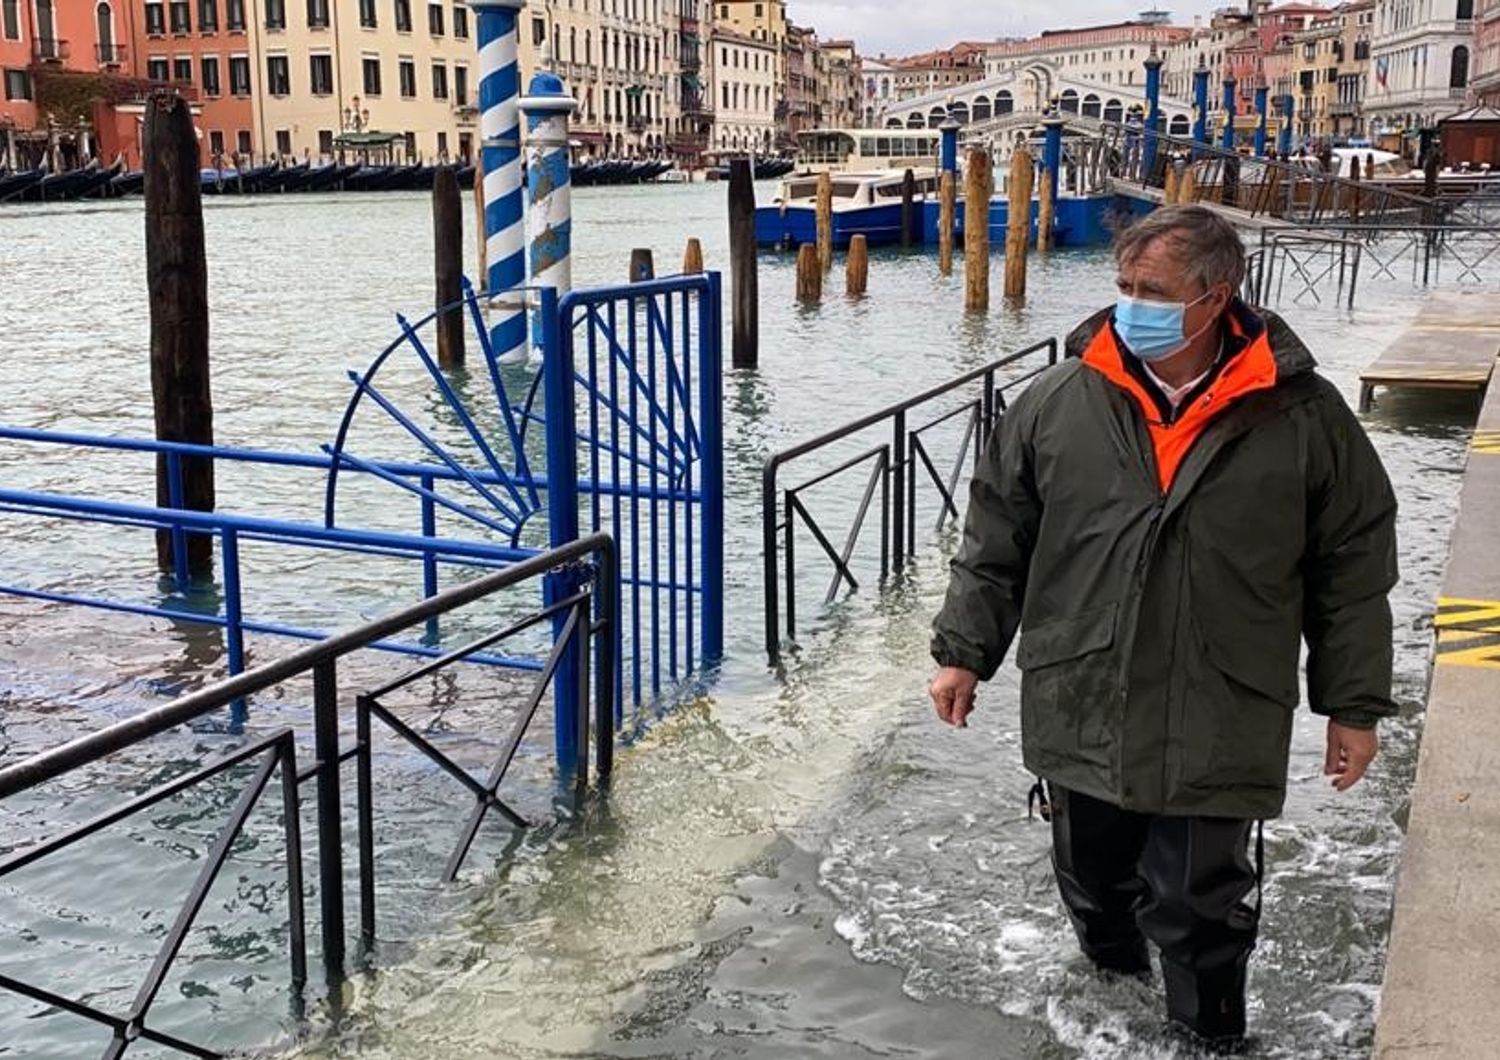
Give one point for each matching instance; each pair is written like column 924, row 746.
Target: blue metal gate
column 634, row 417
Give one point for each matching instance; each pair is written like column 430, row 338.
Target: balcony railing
column 50, row 50
column 1343, row 110
column 637, row 123
column 110, row 54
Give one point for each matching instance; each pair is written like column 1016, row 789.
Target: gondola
column 15, row 185
column 129, row 183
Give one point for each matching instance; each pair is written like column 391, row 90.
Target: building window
column 239, row 75
column 403, row 16
column 460, row 22
column 461, row 86
column 182, row 69
column 10, row 19
column 157, row 68
column 17, row 84
column 367, row 15
column 538, row 32
column 210, row 66
column 439, row 81
column 1458, row 71
column 275, row 14
column 216, row 143
column 317, row 14
column 411, row 145
column 242, row 138
column 325, row 142
column 278, row 75
column 371, row 67
column 320, row 74
column 435, row 20
column 234, row 15
column 442, row 144
column 182, row 19
column 406, row 71
column 283, row 142
column 208, row 22
column 465, row 146
column 156, row 20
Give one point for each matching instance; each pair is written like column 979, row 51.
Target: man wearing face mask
column 1165, row 517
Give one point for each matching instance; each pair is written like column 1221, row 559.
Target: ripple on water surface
column 803, row 865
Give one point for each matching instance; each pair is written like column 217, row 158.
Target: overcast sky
column 902, row 27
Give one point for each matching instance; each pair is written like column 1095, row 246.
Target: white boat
column 866, row 203
column 866, row 150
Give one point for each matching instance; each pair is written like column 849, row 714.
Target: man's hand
column 952, row 692
column 1350, row 752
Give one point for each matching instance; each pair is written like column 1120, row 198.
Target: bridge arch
column 1068, row 101
column 1180, row 126
column 1114, row 111
column 983, row 109
column 1091, row 106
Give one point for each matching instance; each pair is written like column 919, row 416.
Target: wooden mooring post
column 947, row 207
column 642, row 267
column 909, row 209
column 857, row 265
column 448, row 265
column 744, row 284
column 823, row 218
column 692, row 257
column 978, row 186
column 1170, row 184
column 482, row 248
column 1354, row 193
column 1044, row 212
column 1018, row 224
column 809, row 274
column 1187, row 190
column 177, row 292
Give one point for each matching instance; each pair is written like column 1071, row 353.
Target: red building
column 76, row 74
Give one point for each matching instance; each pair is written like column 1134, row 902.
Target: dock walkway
column 1442, row 983
column 1452, row 345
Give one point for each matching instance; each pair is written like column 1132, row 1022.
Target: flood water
column 802, row 863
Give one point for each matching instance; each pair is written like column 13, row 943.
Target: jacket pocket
column 1067, row 638
column 1067, row 688
column 1238, row 717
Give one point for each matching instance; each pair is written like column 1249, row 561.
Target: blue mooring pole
column 948, row 148
column 500, row 146
column 1229, row 108
column 1288, row 112
column 547, row 107
column 1153, row 114
column 1261, row 101
column 1200, row 104
column 1052, row 156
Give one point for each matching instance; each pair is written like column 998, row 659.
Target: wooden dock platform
column 1452, row 345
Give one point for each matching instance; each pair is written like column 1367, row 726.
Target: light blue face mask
column 1153, row 331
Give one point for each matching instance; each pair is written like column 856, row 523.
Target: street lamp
column 355, row 118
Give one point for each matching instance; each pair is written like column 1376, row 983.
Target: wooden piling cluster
column 978, row 186
column 1169, row 185
column 177, row 292
column 1187, row 189
column 1018, row 223
column 448, row 265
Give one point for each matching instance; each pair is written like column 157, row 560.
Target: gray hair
column 1208, row 246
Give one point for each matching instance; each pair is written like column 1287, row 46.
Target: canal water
column 801, row 863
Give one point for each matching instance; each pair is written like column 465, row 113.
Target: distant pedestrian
column 1165, row 518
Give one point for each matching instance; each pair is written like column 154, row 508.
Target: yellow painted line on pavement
column 1487, row 442
column 1468, row 632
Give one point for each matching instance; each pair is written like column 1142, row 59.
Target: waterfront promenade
column 1442, row 977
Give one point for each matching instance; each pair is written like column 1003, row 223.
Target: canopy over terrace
column 381, row 144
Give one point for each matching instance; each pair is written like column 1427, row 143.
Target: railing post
column 770, row 568
column 711, row 434
column 898, row 495
column 181, row 574
column 330, row 819
column 234, row 622
column 365, row 791
column 429, row 558
column 562, row 518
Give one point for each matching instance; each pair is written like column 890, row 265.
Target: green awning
column 367, row 139
column 692, row 81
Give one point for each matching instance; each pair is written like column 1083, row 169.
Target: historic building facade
column 1421, row 59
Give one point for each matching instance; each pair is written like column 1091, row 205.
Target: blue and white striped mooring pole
column 1229, row 108
column 1200, row 104
column 547, row 107
column 500, row 146
column 1284, row 134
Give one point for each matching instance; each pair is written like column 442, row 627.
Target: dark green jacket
column 1161, row 630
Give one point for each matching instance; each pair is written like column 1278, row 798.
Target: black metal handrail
column 581, row 579
column 892, row 471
